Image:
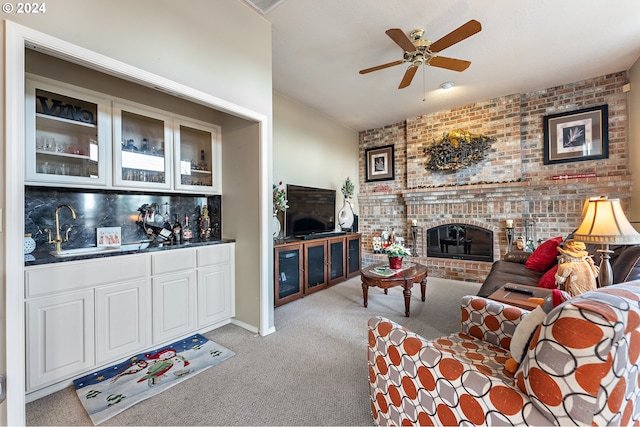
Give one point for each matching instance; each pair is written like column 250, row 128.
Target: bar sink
column 100, row 249
column 85, row 251
column 135, row 246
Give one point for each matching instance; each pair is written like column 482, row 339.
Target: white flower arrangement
column 397, row 250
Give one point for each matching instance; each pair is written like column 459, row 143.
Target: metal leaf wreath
column 457, row 149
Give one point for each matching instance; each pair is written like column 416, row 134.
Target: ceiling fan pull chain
column 424, row 85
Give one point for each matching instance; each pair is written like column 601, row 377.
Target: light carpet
column 111, row 390
column 311, row 371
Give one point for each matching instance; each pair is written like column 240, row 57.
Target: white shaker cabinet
column 59, row 337
column 123, row 322
column 174, row 293
column 84, row 315
column 216, row 289
column 80, row 314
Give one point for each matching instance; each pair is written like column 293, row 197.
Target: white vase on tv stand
column 275, row 226
column 345, row 216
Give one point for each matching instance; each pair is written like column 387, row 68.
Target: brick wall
column 510, row 183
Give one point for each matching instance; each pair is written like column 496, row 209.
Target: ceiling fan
column 419, row 51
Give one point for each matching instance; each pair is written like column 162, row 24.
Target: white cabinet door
column 214, row 294
column 197, row 159
column 174, row 305
column 123, row 323
column 60, row 340
column 142, row 147
column 67, row 135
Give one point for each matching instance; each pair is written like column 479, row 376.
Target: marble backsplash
column 109, row 209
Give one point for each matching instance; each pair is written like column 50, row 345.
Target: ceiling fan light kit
column 419, row 51
column 447, row 85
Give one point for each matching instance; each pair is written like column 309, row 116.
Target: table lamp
column 604, row 222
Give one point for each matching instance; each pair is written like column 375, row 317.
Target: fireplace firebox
column 460, row 241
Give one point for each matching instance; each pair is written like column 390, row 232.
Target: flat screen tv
column 311, row 210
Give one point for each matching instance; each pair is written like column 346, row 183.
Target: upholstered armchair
column 580, row 367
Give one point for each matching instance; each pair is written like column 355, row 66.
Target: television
column 311, row 210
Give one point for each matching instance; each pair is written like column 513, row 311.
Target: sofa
column 625, row 263
column 580, row 368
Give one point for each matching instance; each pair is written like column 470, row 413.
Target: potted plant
column 347, row 189
column 396, row 253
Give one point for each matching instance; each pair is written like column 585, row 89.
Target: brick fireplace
column 511, row 183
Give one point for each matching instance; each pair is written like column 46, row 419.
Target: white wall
column 311, row 150
column 220, row 47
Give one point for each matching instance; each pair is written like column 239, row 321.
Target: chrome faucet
column 59, row 240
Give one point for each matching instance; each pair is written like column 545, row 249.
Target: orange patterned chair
column 580, row 368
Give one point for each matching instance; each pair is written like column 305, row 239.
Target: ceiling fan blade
column 457, row 35
column 408, row 76
column 449, row 63
column 381, row 67
column 401, row 39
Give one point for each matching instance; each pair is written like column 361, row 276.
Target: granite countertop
column 44, row 256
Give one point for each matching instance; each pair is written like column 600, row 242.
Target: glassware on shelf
column 195, row 148
column 63, row 129
column 141, row 155
column 65, row 139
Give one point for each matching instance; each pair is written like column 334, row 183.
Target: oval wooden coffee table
column 381, row 276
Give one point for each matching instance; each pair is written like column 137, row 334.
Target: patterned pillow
column 548, row 280
column 543, row 258
column 524, row 331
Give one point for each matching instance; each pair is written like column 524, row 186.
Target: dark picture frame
column 577, row 135
column 380, row 164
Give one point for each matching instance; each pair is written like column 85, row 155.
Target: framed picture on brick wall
column 380, row 163
column 577, row 135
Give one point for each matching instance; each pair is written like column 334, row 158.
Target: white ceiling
column 320, row 45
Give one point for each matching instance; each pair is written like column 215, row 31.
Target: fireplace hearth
column 460, row 241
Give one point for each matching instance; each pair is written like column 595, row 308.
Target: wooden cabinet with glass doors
column 306, row 266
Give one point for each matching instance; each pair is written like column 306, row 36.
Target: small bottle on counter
column 205, row 223
column 177, row 231
column 187, row 234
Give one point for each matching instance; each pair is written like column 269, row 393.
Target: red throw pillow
column 548, row 280
column 543, row 258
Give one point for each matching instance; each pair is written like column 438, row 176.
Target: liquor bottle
column 177, row 231
column 203, row 164
column 205, row 223
column 187, row 234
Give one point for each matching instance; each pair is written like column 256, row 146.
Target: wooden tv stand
column 306, row 266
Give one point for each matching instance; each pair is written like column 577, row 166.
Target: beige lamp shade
column 605, row 223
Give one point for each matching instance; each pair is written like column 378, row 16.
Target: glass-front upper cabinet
column 67, row 134
column 142, row 147
column 197, row 156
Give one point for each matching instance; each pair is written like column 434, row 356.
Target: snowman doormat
column 111, row 390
